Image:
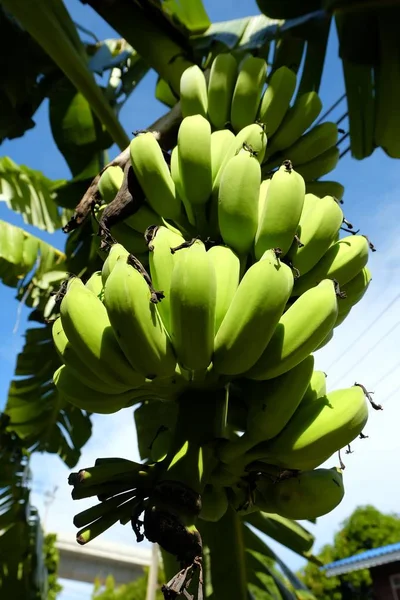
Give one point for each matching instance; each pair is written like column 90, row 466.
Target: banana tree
column 168, row 37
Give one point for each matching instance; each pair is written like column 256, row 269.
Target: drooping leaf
column 37, row 413
column 51, row 29
column 31, row 194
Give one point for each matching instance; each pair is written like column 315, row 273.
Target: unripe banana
column 247, row 93
column 84, row 397
column 316, row 387
column 194, row 155
column 143, row 218
column 75, row 364
column 220, row 142
column 130, row 239
column 214, row 503
column 326, row 339
column 177, row 179
column 271, row 404
column 193, row 92
column 221, row 84
column 317, row 430
column 319, row 166
column 325, row 188
column 300, row 330
column 110, row 182
column 154, row 176
column 355, row 290
column 262, row 197
column 343, row 261
column 307, row 495
column 193, row 298
column 162, row 262
column 137, row 323
column 95, row 284
column 312, row 144
column 116, row 251
column 317, row 231
column 87, row 326
column 161, row 445
column 276, row 99
column 238, row 201
column 282, row 211
column 253, row 315
column 227, row 271
column 296, row 121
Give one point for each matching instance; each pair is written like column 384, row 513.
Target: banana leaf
column 51, row 26
column 37, row 414
column 31, row 194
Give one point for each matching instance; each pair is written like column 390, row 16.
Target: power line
column 387, row 374
column 366, row 330
column 391, row 395
column 372, row 348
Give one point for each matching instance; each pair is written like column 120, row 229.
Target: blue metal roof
column 364, row 559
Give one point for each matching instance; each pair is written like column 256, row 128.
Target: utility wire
column 391, row 395
column 328, row 112
column 386, row 375
column 364, row 356
column 366, row 330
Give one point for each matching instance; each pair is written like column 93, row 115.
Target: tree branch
column 165, row 130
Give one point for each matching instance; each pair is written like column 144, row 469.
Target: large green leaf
column 22, row 571
column 34, row 267
column 31, row 194
column 37, row 413
column 51, row 26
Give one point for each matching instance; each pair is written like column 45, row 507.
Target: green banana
column 143, row 218
column 354, row 290
column 238, row 201
column 192, row 306
column 95, row 284
column 177, row 179
column 276, row 99
column 300, row 330
column 75, row 364
column 195, row 164
column 214, row 503
column 154, row 176
column 116, row 251
column 87, row 326
column 253, row 315
column 137, row 323
column 262, row 197
column 317, row 430
column 313, row 143
column 162, row 262
column 319, row 166
column 109, row 183
column 326, row 339
column 86, row 398
column 317, row 231
column 220, row 142
column 227, row 271
column 221, row 84
column 325, row 188
column 306, row 495
column 271, row 404
column 193, row 92
column 342, row 261
column 282, row 211
column 160, row 446
column 132, row 240
column 247, row 93
column 296, row 121
column 316, row 387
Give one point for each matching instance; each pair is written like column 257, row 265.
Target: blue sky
column 364, row 348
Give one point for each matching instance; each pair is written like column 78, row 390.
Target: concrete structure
column 383, row 564
column 99, row 559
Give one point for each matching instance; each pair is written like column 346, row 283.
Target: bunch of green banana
column 211, row 304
